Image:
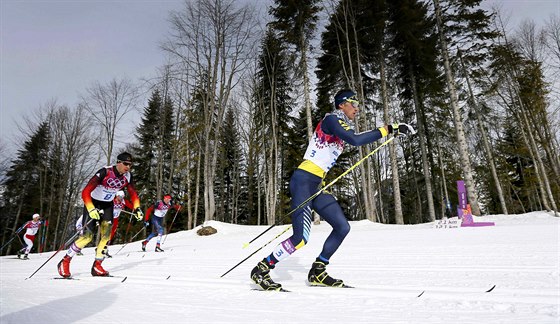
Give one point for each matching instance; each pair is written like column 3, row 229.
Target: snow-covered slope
column 390, row 265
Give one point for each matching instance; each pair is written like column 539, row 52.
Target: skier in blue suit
column 325, row 146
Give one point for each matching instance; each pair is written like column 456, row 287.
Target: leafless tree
column 552, row 39
column 533, row 45
column 525, row 113
column 213, row 39
column 73, row 150
column 108, row 104
column 552, row 43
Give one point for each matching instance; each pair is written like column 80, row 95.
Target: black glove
column 401, row 129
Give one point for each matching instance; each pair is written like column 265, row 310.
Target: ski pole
column 13, row 237
column 132, row 239
column 169, row 228
column 250, row 255
column 128, row 227
column 20, row 241
column 322, row 189
column 70, row 240
column 129, row 222
column 43, row 235
column 127, row 212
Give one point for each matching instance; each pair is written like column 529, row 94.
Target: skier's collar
column 341, row 115
column 116, row 171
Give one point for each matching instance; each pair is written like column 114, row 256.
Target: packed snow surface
column 451, row 269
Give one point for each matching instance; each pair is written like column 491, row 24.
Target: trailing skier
column 31, row 227
column 119, row 203
column 159, row 210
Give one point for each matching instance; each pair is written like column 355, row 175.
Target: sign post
column 464, row 209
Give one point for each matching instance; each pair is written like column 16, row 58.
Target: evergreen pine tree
column 273, row 116
column 145, row 150
column 413, row 44
column 21, row 185
column 166, row 144
column 296, row 23
column 231, row 166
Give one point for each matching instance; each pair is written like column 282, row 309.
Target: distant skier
column 159, row 209
column 98, row 196
column 323, row 150
column 32, row 227
column 119, row 203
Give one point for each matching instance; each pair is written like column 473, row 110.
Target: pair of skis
column 286, row 290
column 346, row 286
column 109, row 276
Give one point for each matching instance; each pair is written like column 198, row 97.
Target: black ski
column 279, row 290
column 489, row 290
column 486, row 291
column 325, row 286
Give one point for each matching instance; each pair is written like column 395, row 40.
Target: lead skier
column 325, row 146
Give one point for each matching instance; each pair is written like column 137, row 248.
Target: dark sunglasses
column 128, row 164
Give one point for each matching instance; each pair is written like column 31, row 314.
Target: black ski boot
column 261, row 276
column 318, row 276
column 158, row 248
column 19, row 253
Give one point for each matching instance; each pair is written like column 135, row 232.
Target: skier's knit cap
column 342, row 96
column 124, row 157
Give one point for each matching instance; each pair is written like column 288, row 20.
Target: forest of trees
column 227, row 119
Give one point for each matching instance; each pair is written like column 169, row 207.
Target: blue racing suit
column 159, row 210
column 325, row 147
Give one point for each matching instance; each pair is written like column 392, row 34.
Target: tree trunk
column 540, row 165
column 197, row 192
column 485, row 141
column 459, row 130
column 444, row 182
column 306, row 88
column 392, row 146
column 540, row 188
column 423, row 149
column 258, row 195
column 18, row 214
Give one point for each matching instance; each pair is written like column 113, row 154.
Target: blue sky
column 56, row 49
